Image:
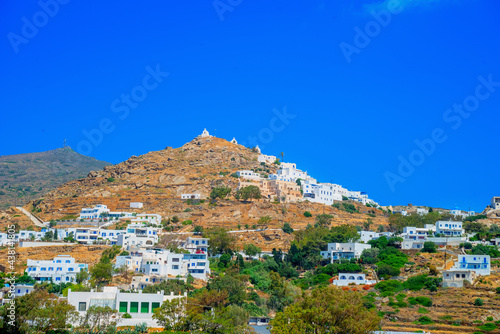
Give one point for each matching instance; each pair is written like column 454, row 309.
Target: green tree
column 327, row 310
column 37, row 312
column 100, row 319
column 102, row 272
column 220, row 241
column 429, row 247
column 264, row 221
column 324, row 219
column 220, row 192
column 248, row 192
column 251, row 249
column 287, row 228
column 171, row 315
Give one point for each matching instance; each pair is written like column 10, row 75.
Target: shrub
column 127, row 316
column 489, row 318
column 424, row 301
column 307, row 214
column 423, row 310
column 110, row 179
column 425, row 320
column 478, row 302
column 488, row 327
column 287, row 228
column 429, row 247
column 498, row 290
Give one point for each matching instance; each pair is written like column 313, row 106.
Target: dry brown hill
column 159, row 178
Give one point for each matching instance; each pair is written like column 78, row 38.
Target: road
column 34, row 219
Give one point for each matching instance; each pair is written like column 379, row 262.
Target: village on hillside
column 407, row 262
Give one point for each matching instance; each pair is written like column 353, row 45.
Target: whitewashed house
column 480, row 264
column 147, row 218
column 269, row 159
column 495, row 203
column 344, row 279
column 422, row 211
column 454, row 278
column 338, row 251
column 101, row 211
column 62, row 269
column 191, row 196
column 248, row 174
column 449, row 228
column 163, row 263
column 138, row 235
column 136, row 205
column 139, row 305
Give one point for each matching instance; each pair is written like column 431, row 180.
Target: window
column 175, row 267
column 123, row 307
column 68, row 261
column 144, row 307
column 82, row 306
column 134, row 307
column 175, row 259
column 154, row 306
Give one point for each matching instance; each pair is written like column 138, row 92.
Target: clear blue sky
column 229, row 67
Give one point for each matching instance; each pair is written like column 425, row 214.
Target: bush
column 466, row 245
column 387, row 271
column 478, row 302
column 127, row 316
column 307, row 214
column 424, row 301
column 110, row 179
column 488, row 327
column 287, row 228
column 429, row 247
column 425, row 320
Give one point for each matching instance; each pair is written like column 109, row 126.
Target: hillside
column 24, row 177
column 159, row 178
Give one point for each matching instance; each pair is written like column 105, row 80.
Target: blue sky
column 343, row 88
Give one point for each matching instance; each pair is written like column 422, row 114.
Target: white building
column 136, row 205
column 338, row 251
column 147, row 218
column 190, row 196
column 138, row 235
column 248, row 174
column 366, row 236
column 455, row 278
column 344, row 279
column 163, row 263
column 139, row 305
column 495, row 203
column 269, row 159
column 325, row 193
column 22, row 289
column 414, row 237
column 205, row 134
column 449, row 228
column 480, row 264
column 61, row 269
column 288, row 172
column 101, row 211
column 93, row 235
column 422, row 211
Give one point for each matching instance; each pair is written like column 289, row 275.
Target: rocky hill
column 159, row 178
column 24, row 177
